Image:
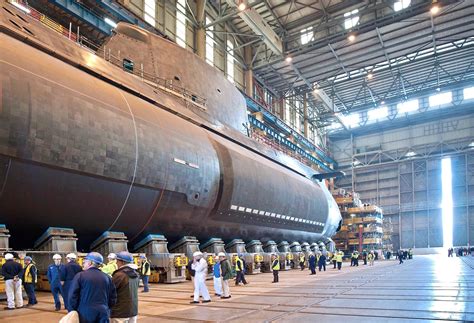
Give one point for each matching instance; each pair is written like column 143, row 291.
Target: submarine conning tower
column 139, row 51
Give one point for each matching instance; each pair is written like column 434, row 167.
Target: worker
column 371, row 258
column 92, row 292
column 30, row 277
column 400, row 256
column 11, row 272
column 410, row 253
column 68, row 272
column 145, row 272
column 339, row 256
column 226, row 273
column 334, row 259
column 312, row 263
column 356, row 258
column 364, row 256
column 322, row 262
column 275, row 267
column 125, row 279
column 353, row 258
column 302, row 260
column 111, row 264
column 200, row 289
column 389, row 254
column 54, row 278
column 216, row 272
column 240, row 271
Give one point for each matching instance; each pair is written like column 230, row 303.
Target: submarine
column 139, row 136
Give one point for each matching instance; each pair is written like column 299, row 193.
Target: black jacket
column 10, row 269
column 126, row 281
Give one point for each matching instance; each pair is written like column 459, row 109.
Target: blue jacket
column 312, row 261
column 54, row 274
column 217, row 270
column 92, row 294
column 70, row 270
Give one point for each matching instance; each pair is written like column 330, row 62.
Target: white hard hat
column 71, row 255
column 197, row 254
column 221, row 254
column 112, row 256
column 8, row 256
column 57, row 257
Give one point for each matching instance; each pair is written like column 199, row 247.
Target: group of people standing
column 98, row 292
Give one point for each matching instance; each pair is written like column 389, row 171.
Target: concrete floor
column 427, row 288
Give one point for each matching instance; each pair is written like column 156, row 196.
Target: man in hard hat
column 226, row 272
column 371, row 258
column 216, row 272
column 145, row 272
column 70, row 269
column 30, row 277
column 54, row 278
column 302, row 259
column 200, row 267
column 322, row 261
column 312, row 263
column 339, row 257
column 126, row 280
column 239, row 270
column 275, row 268
column 92, row 292
column 11, row 272
column 111, row 264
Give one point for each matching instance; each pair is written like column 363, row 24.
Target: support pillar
column 305, row 115
column 200, row 31
column 248, row 74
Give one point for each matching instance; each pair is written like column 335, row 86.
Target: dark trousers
column 30, row 291
column 401, row 260
column 365, row 261
column 322, row 265
column 145, row 279
column 240, row 278
column 334, row 262
column 352, row 262
column 65, row 288
column 275, row 276
column 56, row 291
column 339, row 265
column 302, row 265
column 356, row 262
column 313, row 269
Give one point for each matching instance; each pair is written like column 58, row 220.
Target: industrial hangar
column 248, row 136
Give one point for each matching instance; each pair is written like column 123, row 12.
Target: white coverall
column 14, row 293
column 200, row 280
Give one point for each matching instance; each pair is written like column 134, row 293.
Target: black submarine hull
column 94, row 152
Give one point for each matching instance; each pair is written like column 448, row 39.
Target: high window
column 401, row 4
column 209, row 42
column 306, row 35
column 181, row 23
column 351, row 19
column 440, row 99
column 150, row 12
column 378, row 114
column 468, row 93
column 407, row 106
column 230, row 60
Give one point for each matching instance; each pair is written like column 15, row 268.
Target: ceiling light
column 471, row 145
column 288, row 59
column 383, row 102
column 110, row 22
column 242, row 6
column 370, row 76
column 20, row 6
column 434, row 10
column 411, row 153
column 351, row 37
